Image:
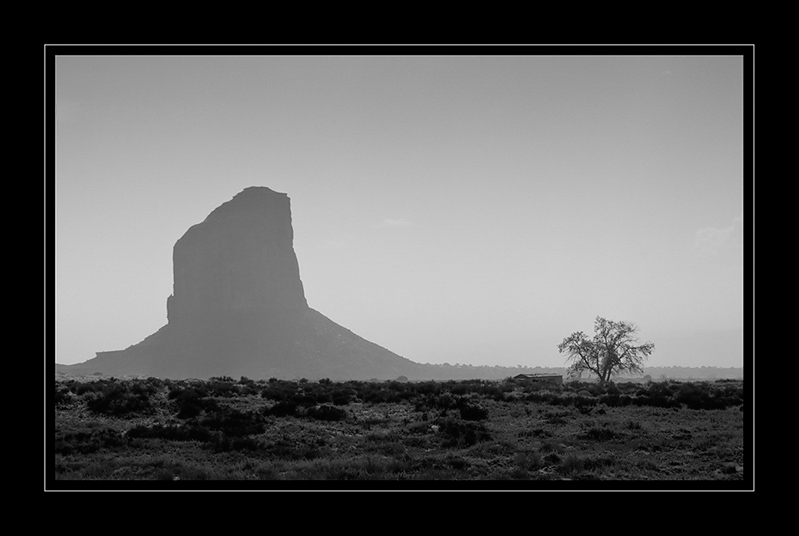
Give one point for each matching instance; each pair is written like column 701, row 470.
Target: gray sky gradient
column 451, row 209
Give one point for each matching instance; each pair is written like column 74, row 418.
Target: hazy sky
column 451, row 209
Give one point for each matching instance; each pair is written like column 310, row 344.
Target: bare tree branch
column 611, row 351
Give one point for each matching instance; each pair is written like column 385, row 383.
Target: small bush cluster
column 599, row 433
column 191, row 401
column 694, row 395
column 88, row 442
column 171, row 432
column 464, row 404
column 122, row 398
column 62, row 396
column 458, row 433
column 307, row 394
column 469, row 412
column 234, row 423
column 326, row 413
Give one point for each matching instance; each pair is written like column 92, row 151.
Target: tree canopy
column 613, row 349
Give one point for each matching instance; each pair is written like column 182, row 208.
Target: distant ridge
column 456, row 372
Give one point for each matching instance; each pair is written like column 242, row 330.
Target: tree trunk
column 604, row 372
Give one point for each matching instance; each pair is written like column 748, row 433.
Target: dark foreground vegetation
column 228, row 429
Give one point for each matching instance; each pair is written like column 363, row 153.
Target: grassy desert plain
column 524, row 435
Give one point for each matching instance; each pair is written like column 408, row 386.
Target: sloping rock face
column 240, row 261
column 238, row 308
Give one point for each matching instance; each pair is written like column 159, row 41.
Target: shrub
column 119, row 398
column 594, row 389
column 428, row 388
column 598, row 433
column 225, row 443
column 191, row 401
column 286, row 408
column 543, row 396
column 659, row 389
column 730, row 395
column 171, row 433
column 708, row 396
column 536, row 432
column 552, row 458
column 456, row 462
column 282, row 449
column 222, row 379
column 248, row 386
column 61, row 395
column 694, row 396
column 659, row 394
column 81, row 388
column 495, row 392
column 304, row 400
column 397, row 385
column 87, row 442
column 584, row 402
column 327, row 413
column 556, row 416
column 376, row 396
column 633, row 425
column 550, row 445
column 473, row 413
column 571, row 464
column 342, row 397
column 189, row 410
column 459, row 388
column 323, row 397
column 278, row 390
column 457, row 433
column 223, row 387
column 598, row 462
column 235, row 423
column 527, row 460
column 444, row 401
column 192, row 391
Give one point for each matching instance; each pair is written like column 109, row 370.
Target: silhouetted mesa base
column 238, row 308
column 308, row 346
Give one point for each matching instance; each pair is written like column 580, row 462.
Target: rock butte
column 238, row 308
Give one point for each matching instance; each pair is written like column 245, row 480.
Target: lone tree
column 612, row 350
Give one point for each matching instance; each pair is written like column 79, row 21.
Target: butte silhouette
column 238, row 308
